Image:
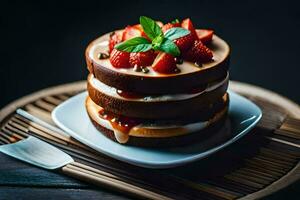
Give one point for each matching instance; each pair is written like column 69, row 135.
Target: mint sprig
column 137, row 44
column 175, row 21
column 159, row 40
column 169, row 47
column 150, row 27
column 175, row 33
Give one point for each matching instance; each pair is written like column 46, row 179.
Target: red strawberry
column 142, row 59
column 114, row 38
column 169, row 26
column 187, row 24
column 184, row 42
column 159, row 23
column 164, row 63
column 198, row 53
column 119, row 59
column 205, row 35
column 138, row 26
column 131, row 32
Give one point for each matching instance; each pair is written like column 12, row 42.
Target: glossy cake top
column 153, row 49
column 156, row 58
column 100, row 46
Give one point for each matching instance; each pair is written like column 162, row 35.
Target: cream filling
column 148, row 130
column 111, row 91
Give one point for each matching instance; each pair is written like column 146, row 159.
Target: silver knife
column 39, row 153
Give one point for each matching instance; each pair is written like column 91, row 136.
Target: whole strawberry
column 119, row 59
column 198, row 53
column 142, row 59
column 184, row 42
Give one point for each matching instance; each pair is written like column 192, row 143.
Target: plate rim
column 153, row 164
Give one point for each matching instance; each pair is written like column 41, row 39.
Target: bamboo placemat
column 264, row 161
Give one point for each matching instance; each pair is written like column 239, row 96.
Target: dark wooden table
column 22, row 181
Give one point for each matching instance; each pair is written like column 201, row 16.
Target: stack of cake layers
column 152, row 109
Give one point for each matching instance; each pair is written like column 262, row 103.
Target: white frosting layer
column 111, row 91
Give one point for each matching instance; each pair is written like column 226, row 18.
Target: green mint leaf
column 175, row 21
column 157, row 41
column 137, row 44
column 174, row 33
column 150, row 27
column 168, row 46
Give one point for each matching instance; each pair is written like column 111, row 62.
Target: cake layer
column 191, row 76
column 174, row 106
column 150, row 132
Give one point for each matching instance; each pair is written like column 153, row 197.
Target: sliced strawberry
column 114, row 38
column 131, row 32
column 138, row 26
column 198, row 53
column 169, row 26
column 187, row 24
column 184, row 42
column 142, row 59
column 164, row 63
column 205, row 35
column 159, row 23
column 119, row 59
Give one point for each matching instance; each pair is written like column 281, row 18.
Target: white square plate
column 71, row 116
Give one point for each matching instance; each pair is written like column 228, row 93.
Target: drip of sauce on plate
column 120, row 124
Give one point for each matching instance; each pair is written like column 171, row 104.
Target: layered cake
column 154, row 84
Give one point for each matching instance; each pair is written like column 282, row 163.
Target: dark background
column 43, row 43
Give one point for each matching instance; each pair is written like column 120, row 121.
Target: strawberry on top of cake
column 159, row 46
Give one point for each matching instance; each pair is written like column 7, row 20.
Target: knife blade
column 37, row 152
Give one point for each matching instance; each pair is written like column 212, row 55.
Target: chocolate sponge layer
column 174, row 141
column 188, row 108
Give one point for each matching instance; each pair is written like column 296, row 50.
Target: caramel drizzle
column 121, row 124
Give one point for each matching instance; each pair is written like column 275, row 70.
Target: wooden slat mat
column 261, row 163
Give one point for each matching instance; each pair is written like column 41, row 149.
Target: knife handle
column 102, row 178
